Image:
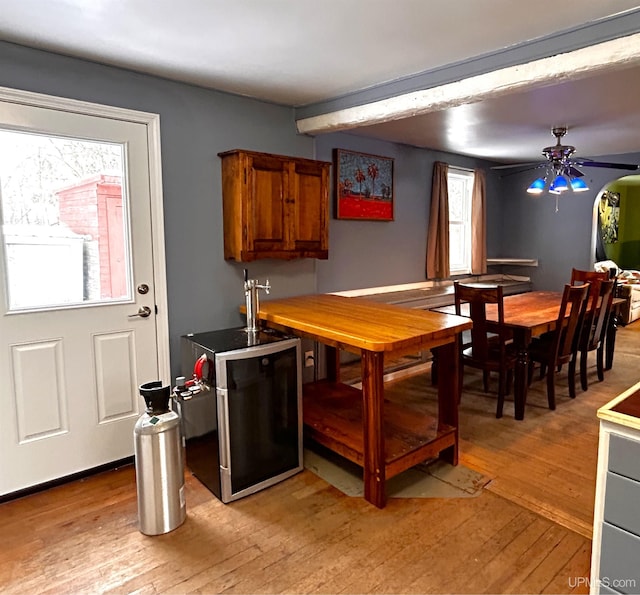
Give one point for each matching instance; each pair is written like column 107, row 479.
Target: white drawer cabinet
column 615, row 560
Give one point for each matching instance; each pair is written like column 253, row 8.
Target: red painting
column 364, row 186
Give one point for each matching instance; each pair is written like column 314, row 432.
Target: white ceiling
column 298, row 52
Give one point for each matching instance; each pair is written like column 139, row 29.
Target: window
column 460, row 184
column 64, row 220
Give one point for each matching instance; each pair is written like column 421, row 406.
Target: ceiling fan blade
column 576, row 173
column 522, row 169
column 589, row 163
column 513, row 165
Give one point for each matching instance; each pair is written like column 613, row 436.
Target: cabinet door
column 307, row 208
column 268, row 186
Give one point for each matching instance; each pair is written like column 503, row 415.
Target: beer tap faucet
column 252, row 302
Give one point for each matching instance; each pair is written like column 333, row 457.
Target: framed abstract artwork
column 609, row 216
column 363, row 186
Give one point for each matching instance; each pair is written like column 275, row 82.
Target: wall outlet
column 309, row 359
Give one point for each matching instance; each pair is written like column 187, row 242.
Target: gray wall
column 562, row 240
column 205, row 290
column 374, row 253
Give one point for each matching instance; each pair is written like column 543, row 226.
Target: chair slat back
column 568, row 328
column 596, row 320
column 579, row 277
column 478, row 296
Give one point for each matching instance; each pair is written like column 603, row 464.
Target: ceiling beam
column 618, row 53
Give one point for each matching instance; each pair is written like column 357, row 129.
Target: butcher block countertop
column 624, row 409
column 359, row 323
column 358, row 424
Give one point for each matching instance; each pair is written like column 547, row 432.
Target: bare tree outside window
column 63, row 213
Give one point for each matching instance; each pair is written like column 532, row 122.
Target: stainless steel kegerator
column 241, row 415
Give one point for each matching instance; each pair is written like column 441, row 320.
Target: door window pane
column 64, row 221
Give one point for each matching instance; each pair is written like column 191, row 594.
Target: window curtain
column 479, row 224
column 438, row 232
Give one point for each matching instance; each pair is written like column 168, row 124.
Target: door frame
column 152, row 123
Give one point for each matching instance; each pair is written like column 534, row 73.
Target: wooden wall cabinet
column 274, row 206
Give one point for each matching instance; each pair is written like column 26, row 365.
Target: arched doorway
column 616, row 223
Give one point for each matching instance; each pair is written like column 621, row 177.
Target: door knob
column 143, row 312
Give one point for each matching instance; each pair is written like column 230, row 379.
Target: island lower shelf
column 332, row 414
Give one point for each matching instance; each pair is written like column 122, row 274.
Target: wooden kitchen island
column 381, row 437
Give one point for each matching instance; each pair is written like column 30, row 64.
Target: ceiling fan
column 560, row 159
column 561, row 173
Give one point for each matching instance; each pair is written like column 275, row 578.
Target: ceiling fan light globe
column 559, row 185
column 537, row 186
column 579, row 185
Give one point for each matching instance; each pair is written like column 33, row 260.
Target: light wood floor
column 528, row 532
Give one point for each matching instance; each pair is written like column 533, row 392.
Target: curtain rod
column 462, row 168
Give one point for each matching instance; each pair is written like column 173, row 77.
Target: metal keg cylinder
column 159, row 463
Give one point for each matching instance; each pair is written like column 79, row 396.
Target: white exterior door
column 76, row 268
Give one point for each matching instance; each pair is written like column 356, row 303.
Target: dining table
column 381, row 436
column 528, row 315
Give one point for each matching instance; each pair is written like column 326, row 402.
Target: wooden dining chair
column 578, row 276
column 489, row 350
column 595, row 278
column 559, row 346
column 594, row 329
